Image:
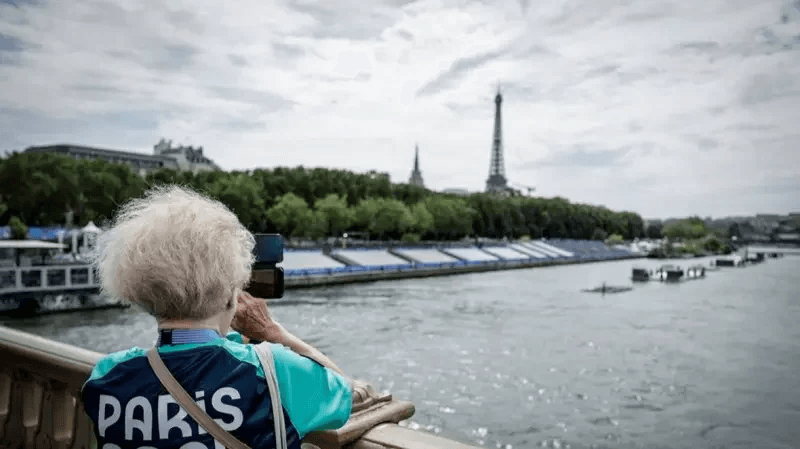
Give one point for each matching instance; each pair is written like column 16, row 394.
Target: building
column 187, row 158
column 788, row 237
column 456, row 191
column 497, row 182
column 416, row 175
column 165, row 156
column 140, row 163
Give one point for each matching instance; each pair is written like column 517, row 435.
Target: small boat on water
column 732, row 261
column 669, row 273
column 696, row 272
column 608, row 289
column 641, row 274
column 36, row 279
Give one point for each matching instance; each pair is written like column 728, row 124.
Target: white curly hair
column 175, row 253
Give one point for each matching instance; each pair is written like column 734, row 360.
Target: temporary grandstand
column 515, row 254
column 589, row 249
column 369, row 257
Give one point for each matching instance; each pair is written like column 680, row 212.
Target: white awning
column 91, row 228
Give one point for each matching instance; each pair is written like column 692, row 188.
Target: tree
column 384, row 217
column 334, row 212
column 317, row 225
column 713, row 244
column 654, row 231
column 422, row 219
column 243, row 195
column 452, row 218
column 163, row 176
column 600, row 234
column 39, row 187
column 290, row 215
column 18, row 229
column 103, row 187
column 409, row 194
column 410, row 237
column 690, row 228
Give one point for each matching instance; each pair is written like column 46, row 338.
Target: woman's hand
column 254, row 321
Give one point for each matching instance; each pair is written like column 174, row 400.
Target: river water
column 522, row 358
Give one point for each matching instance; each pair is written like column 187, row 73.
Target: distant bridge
column 773, row 249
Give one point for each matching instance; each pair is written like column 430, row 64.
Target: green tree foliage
column 690, row 228
column 654, row 232
column 243, row 195
column 409, row 194
column 452, row 217
column 383, row 217
column 103, row 187
column 334, row 214
column 316, row 226
column 393, row 218
column 39, row 187
column 18, row 229
column 410, row 237
column 42, row 188
column 422, row 219
column 291, row 215
column 713, row 244
column 600, row 234
column 614, row 239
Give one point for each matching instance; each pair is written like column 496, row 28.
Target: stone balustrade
column 40, row 382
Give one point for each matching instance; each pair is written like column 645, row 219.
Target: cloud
column 666, row 109
column 10, row 44
column 347, row 19
column 582, row 158
column 457, row 70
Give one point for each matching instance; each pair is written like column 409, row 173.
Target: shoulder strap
column 183, row 398
column 264, row 352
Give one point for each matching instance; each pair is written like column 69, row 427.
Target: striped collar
column 184, row 336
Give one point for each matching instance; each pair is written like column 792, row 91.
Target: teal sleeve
column 234, row 336
column 315, row 398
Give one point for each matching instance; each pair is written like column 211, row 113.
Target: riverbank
column 314, row 268
column 337, row 278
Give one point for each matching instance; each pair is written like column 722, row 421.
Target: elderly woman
column 185, row 259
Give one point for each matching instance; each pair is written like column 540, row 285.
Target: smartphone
column 266, row 279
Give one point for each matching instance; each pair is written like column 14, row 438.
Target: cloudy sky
column 666, row 108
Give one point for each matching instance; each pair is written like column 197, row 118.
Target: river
column 522, row 358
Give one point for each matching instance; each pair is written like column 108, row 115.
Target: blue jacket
column 131, row 409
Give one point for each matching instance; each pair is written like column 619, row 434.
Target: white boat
column 35, row 278
column 669, row 273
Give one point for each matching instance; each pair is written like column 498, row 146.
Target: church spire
column 416, row 174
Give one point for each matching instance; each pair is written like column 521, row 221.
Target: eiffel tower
column 497, row 182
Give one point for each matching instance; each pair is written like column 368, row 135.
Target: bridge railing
column 40, row 406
